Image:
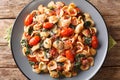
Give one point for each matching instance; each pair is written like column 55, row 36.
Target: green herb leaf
column 87, row 40
column 87, row 24
column 31, row 63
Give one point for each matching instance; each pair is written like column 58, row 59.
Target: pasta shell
column 24, row 49
column 35, row 12
column 84, row 67
column 41, row 18
column 67, row 74
column 64, row 21
column 44, row 58
column 51, row 4
column 80, row 47
column 61, row 13
column 87, row 49
column 61, row 59
column 37, row 70
column 52, row 65
column 79, row 28
column 41, row 8
column 72, row 5
column 68, row 44
column 74, row 38
column 58, row 44
column 59, row 4
column 72, row 11
column 37, row 27
column 53, row 19
column 74, row 21
column 44, row 34
column 47, row 43
column 91, row 61
column 74, row 73
column 86, row 53
column 93, row 51
column 87, row 15
column 67, row 65
column 93, row 30
column 42, row 66
column 54, row 74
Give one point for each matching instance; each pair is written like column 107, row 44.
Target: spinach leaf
column 87, row 24
column 31, row 63
column 24, row 43
column 30, row 30
column 87, row 40
column 27, row 51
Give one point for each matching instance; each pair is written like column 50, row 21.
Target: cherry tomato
column 47, row 25
column 94, row 42
column 28, row 20
column 66, row 32
column 34, row 40
column 69, row 55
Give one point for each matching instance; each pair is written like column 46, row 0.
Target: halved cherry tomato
column 94, row 42
column 47, row 25
column 34, row 40
column 28, row 20
column 66, row 32
column 69, row 55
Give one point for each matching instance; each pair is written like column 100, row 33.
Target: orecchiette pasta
column 42, row 66
column 67, row 66
column 64, row 21
column 52, row 65
column 53, row 19
column 54, row 74
column 59, row 39
column 67, row 74
column 79, row 27
column 47, row 43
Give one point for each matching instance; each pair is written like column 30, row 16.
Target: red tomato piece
column 28, row 20
column 78, row 10
column 32, row 58
column 47, row 25
column 94, row 42
column 34, row 40
column 53, row 51
column 69, row 55
column 66, row 32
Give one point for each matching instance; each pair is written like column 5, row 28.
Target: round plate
column 22, row 61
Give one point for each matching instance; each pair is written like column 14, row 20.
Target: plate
column 22, row 61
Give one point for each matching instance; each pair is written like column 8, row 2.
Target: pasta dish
column 59, row 39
